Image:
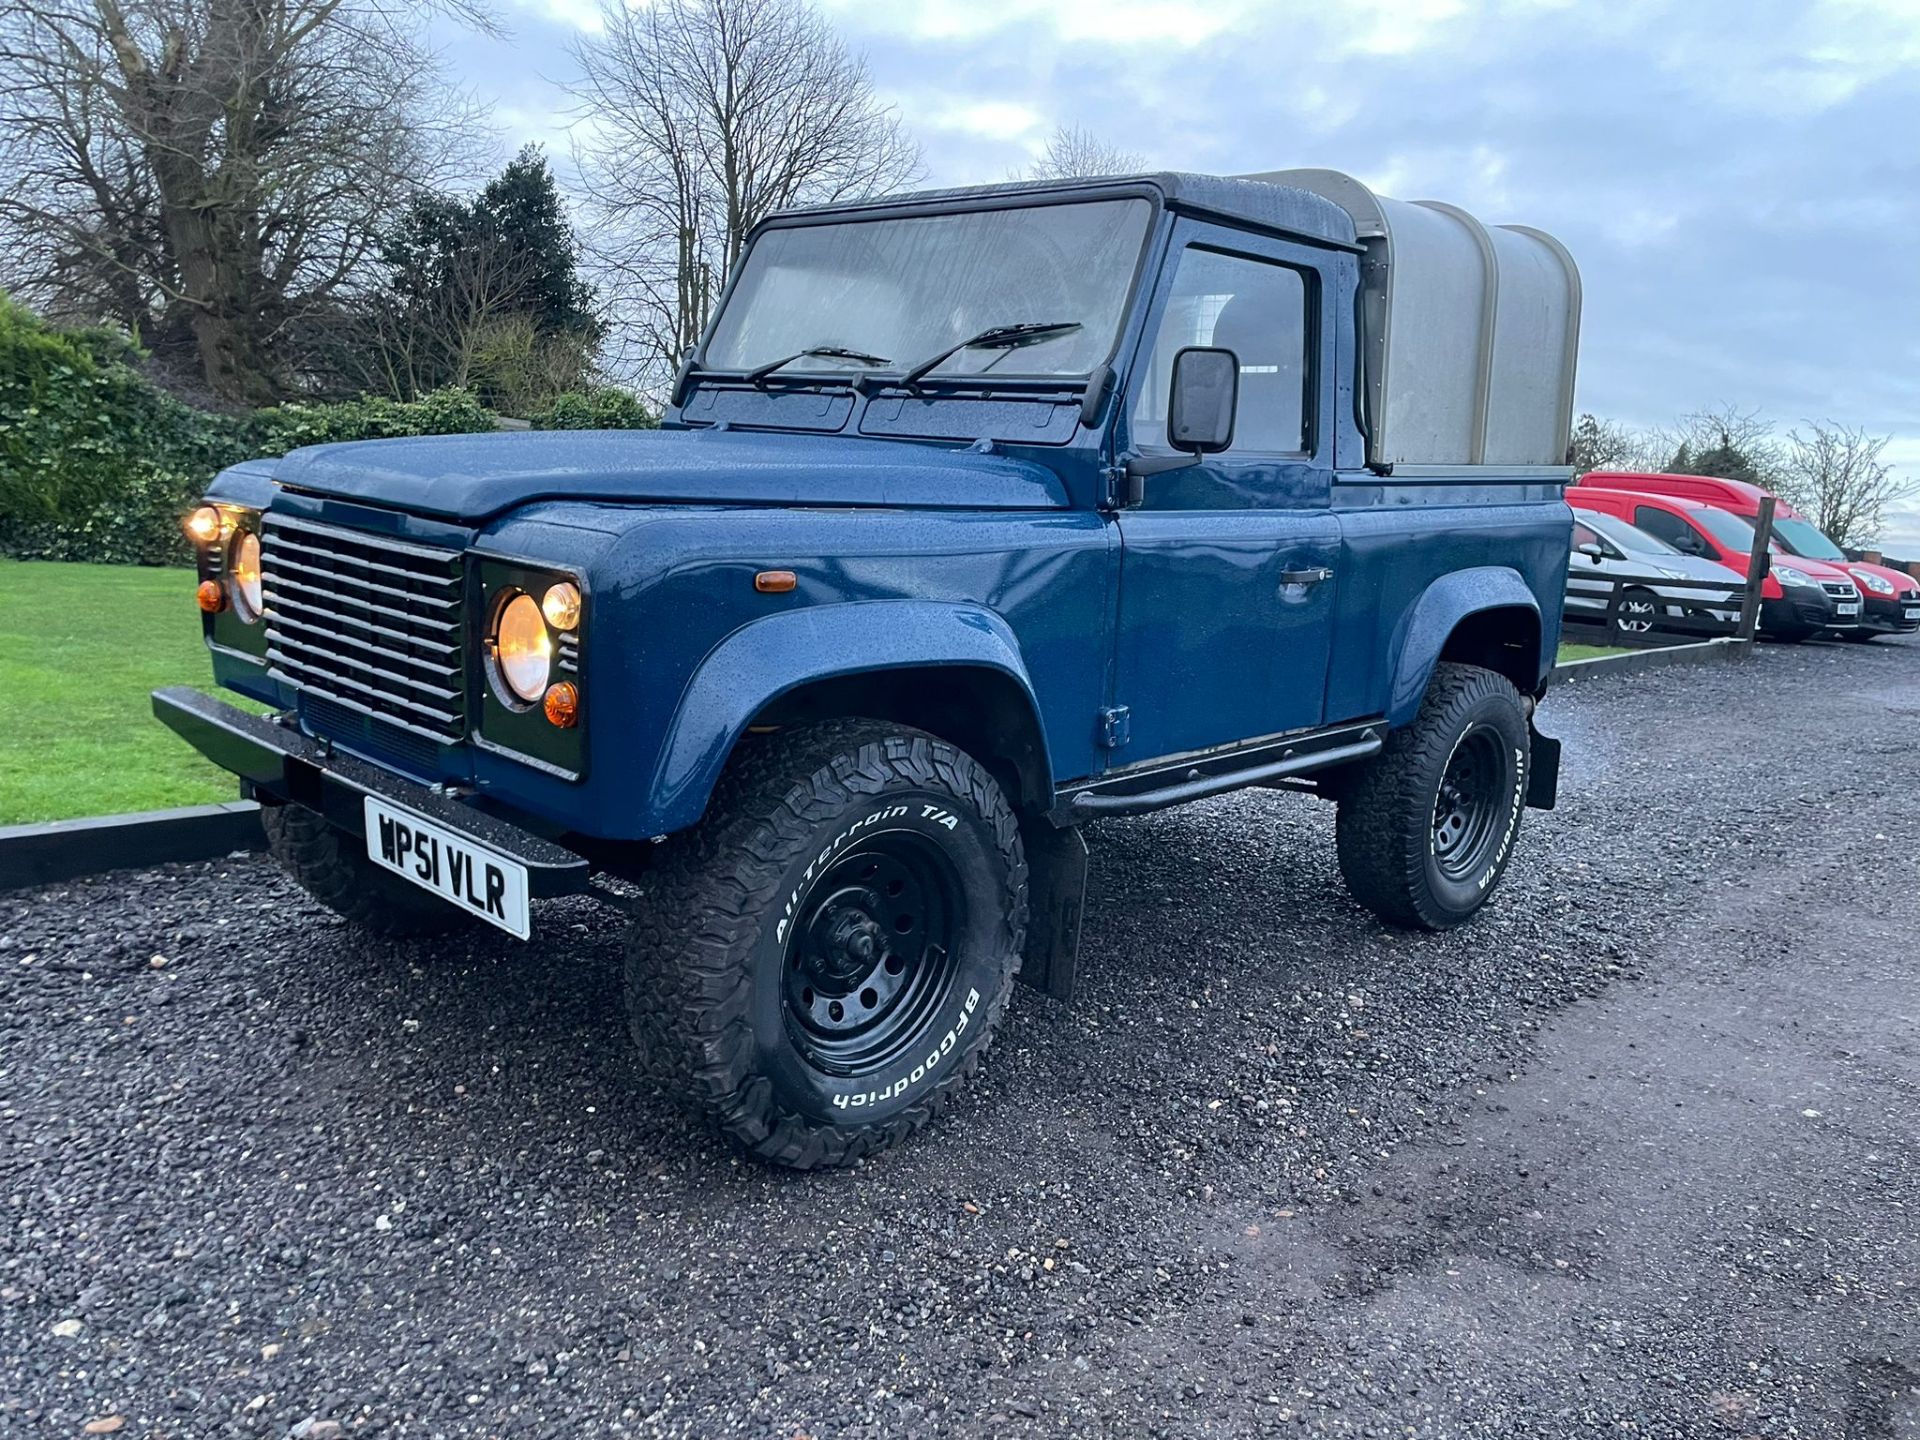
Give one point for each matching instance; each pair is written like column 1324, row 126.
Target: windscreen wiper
column 998, row 337
column 825, row 352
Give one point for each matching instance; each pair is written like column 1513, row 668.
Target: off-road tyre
column 1390, row 834
column 730, row 930
column 330, row 866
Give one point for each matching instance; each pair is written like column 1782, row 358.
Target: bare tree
column 1600, row 444
column 212, row 171
column 699, row 119
column 1072, row 153
column 1834, row 472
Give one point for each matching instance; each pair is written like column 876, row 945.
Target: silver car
column 1606, row 549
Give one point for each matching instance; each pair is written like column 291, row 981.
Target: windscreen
column 1730, row 530
column 1800, row 537
column 903, row 290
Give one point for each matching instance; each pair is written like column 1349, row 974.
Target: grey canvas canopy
column 1438, row 289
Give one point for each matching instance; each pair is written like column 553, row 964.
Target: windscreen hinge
column 1116, row 727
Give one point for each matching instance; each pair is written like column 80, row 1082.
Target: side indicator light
column 211, row 597
column 775, row 582
column 562, row 705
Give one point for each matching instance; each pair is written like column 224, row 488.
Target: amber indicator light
column 563, row 705
column 775, row 582
column 211, row 597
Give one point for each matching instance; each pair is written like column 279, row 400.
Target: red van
column 1797, row 600
column 1890, row 599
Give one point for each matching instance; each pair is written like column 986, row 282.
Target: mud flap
column 1056, row 901
column 1543, row 772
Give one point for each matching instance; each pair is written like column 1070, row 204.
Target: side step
column 1175, row 783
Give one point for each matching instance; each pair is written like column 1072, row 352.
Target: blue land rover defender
column 976, row 516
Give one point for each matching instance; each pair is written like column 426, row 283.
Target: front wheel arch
column 868, row 658
column 985, row 712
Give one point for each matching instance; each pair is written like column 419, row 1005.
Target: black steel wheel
column 1476, row 792
column 820, row 963
column 870, row 956
column 1427, row 827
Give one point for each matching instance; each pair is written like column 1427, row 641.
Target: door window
column 1583, row 536
column 1670, row 528
column 1258, row 310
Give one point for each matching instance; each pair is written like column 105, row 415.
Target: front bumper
column 1890, row 614
column 283, row 765
column 1800, row 609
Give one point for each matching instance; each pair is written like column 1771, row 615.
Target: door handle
column 1306, row 577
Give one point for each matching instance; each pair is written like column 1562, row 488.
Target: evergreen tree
column 485, row 293
column 523, row 203
column 1725, row 459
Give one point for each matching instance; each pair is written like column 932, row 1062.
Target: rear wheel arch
column 1487, row 616
column 1504, row 639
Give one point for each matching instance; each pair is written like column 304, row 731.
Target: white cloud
column 580, row 14
column 1396, row 27
column 1106, row 22
column 990, row 119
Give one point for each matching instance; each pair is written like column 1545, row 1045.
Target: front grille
column 376, row 740
column 1840, row 589
column 367, row 623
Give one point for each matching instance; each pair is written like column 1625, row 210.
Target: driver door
column 1228, row 565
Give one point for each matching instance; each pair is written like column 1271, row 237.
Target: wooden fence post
column 1757, row 564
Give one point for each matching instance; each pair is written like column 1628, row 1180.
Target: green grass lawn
column 81, row 646
column 1588, row 652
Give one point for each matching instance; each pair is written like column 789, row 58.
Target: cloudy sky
column 1738, row 179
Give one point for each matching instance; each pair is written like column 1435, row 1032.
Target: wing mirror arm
column 1200, row 414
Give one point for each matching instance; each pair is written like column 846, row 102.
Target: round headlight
column 243, row 574
column 521, row 647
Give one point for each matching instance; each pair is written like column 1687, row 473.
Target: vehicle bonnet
column 474, row 477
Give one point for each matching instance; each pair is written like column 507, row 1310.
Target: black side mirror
column 1206, row 392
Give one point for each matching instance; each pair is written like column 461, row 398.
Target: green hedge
column 99, row 464
column 600, row 409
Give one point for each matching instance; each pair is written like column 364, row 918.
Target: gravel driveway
column 1637, row 1153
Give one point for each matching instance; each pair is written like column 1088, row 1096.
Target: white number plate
column 451, row 866
column 1847, row 607
column 1913, row 611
